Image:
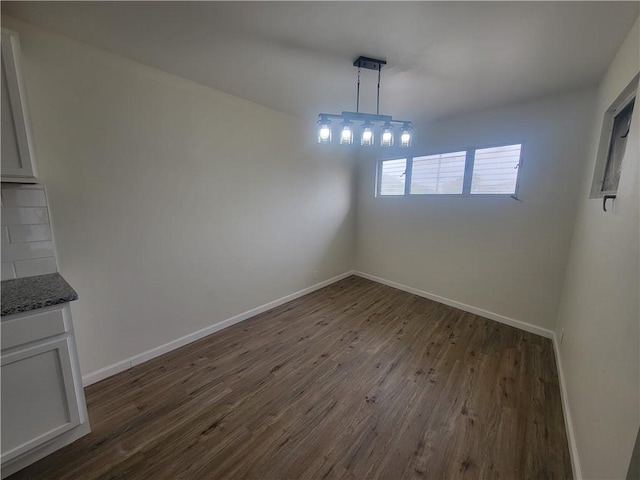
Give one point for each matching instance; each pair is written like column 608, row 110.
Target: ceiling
column 444, row 58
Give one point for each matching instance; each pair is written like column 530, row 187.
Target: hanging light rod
column 367, row 137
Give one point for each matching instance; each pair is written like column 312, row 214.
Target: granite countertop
column 31, row 293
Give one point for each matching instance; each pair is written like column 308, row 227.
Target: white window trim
column 468, row 174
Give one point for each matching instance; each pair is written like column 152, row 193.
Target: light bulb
column 405, row 136
column 387, row 136
column 346, row 137
column 367, row 137
column 324, row 130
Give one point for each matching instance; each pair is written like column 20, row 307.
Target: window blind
column 439, row 174
column 495, row 170
column 393, row 177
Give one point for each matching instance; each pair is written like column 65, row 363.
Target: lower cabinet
column 43, row 405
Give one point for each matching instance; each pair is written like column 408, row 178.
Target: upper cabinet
column 18, row 158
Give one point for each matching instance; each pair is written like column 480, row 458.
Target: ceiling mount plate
column 370, row 63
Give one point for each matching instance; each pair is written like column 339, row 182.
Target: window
column 617, row 146
column 495, row 170
column 393, row 177
column 476, row 171
column 613, row 142
column 443, row 173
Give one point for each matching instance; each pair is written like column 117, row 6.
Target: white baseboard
column 568, row 422
column 123, row 365
column 105, row 372
column 527, row 327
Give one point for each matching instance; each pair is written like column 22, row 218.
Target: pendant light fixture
column 405, row 135
column 346, row 134
column 324, row 130
column 367, row 138
column 369, row 120
column 387, row 135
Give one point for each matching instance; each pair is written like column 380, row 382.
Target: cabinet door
column 38, row 396
column 17, row 146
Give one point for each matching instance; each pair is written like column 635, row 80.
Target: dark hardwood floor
column 357, row 380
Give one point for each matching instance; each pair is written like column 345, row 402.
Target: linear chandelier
column 369, row 120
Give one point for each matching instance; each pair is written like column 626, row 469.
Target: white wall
column 174, row 206
column 600, row 311
column 492, row 253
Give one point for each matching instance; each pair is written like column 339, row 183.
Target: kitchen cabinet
column 18, row 159
column 43, row 404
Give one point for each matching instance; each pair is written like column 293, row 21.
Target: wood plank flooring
column 357, row 380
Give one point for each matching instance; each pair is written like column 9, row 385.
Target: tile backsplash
column 27, row 244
